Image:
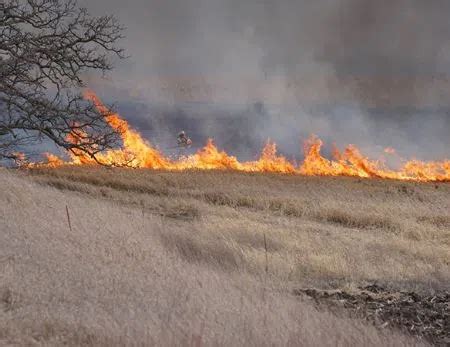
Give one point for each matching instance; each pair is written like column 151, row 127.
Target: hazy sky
column 287, row 47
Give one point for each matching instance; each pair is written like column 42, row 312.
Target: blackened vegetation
column 425, row 316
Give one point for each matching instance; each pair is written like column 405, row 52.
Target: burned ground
column 422, row 315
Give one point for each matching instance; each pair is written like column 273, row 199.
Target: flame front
column 139, row 153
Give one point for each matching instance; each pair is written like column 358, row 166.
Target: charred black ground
column 424, row 316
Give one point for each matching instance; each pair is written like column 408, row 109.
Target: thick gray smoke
column 372, row 73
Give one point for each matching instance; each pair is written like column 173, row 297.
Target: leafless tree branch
column 45, row 47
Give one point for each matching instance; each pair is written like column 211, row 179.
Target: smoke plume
column 372, row 73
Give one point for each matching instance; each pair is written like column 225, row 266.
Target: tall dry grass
column 157, row 258
column 334, row 231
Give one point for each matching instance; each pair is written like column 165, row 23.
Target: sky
column 360, row 71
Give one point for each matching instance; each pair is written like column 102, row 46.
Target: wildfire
column 139, row 153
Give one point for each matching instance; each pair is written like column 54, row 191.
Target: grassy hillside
column 203, row 258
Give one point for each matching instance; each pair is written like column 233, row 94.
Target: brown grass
column 401, row 230
column 361, row 221
column 174, row 258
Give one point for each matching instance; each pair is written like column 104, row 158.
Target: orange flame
column 139, row 153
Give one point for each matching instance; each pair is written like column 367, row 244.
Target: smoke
column 372, row 73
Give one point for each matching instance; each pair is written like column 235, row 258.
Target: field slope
column 108, row 257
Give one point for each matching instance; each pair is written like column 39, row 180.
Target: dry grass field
column 209, row 258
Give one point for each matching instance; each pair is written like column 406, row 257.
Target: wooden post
column 68, row 218
column 267, row 260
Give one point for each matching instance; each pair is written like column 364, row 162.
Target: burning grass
column 165, row 256
column 139, row 153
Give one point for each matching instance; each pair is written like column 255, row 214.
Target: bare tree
column 45, row 48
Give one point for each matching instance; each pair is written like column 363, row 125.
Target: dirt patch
column 425, row 316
